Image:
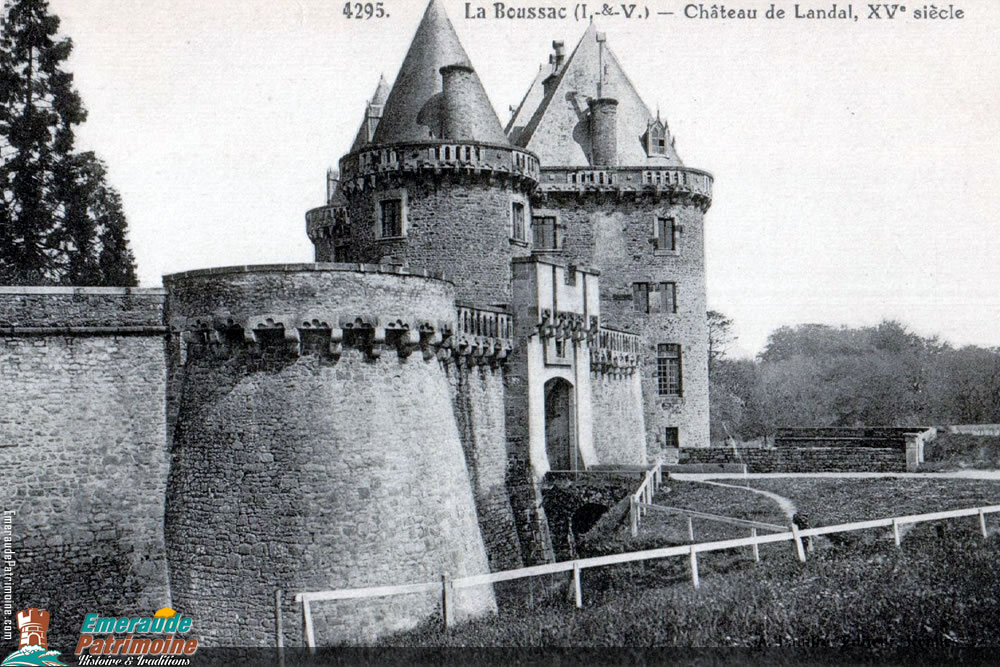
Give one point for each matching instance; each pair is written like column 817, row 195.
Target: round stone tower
column 622, row 202
column 438, row 187
column 316, row 449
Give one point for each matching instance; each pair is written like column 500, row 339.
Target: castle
column 487, row 305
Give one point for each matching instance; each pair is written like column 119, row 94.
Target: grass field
column 940, row 590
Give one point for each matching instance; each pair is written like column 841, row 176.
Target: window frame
column 515, row 206
column 669, row 370
column 674, row 235
column 557, row 234
column 380, row 202
column 665, row 305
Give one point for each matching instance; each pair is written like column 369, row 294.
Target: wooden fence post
column 982, row 523
column 691, row 528
column 634, row 516
column 756, row 547
column 895, row 533
column 577, row 589
column 694, row 567
column 798, row 543
column 307, row 623
column 277, row 619
column 446, row 602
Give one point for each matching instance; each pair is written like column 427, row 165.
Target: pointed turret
column 590, row 81
column 437, row 185
column 421, row 108
column 373, row 114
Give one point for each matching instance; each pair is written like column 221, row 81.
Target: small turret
column 458, row 83
column 604, row 132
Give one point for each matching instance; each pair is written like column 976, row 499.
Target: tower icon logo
column 33, row 647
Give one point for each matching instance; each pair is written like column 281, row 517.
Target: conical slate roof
column 556, row 130
column 412, row 111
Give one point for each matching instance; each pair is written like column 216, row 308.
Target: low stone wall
column 812, row 459
column 976, row 429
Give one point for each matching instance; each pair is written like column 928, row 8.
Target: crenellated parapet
column 378, row 166
column 483, row 335
column 322, row 334
column 676, row 183
column 330, row 221
column 297, row 310
column 615, row 352
column 563, row 325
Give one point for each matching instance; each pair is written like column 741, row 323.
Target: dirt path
column 786, row 505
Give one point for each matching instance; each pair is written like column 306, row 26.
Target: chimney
column 604, row 132
column 458, row 83
column 332, row 181
column 559, row 55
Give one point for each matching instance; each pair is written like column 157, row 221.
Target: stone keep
column 487, row 306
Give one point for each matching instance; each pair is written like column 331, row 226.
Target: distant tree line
column 819, row 375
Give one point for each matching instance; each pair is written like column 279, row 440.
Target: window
column 640, row 297
column 340, row 254
column 544, row 231
column 673, row 438
column 668, row 370
column 558, row 352
column 666, row 234
column 656, row 139
column 668, row 297
column 517, row 222
column 390, row 218
column 654, row 297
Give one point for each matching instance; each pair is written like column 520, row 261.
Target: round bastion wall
column 315, row 449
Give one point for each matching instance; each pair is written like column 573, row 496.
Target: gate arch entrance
column 560, row 425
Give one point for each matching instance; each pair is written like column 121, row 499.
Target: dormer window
column 656, row 138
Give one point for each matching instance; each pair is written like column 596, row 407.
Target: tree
column 60, row 223
column 720, row 335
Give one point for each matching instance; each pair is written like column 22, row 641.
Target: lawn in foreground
column 935, row 592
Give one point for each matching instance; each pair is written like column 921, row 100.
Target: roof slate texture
column 556, row 128
column 412, row 110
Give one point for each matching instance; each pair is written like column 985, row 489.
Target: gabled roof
column 558, row 127
column 532, row 100
column 412, row 108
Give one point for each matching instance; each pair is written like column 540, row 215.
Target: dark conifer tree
column 60, row 223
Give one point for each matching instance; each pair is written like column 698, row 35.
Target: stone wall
column 461, row 230
column 477, row 395
column 813, row 459
column 83, row 450
column 619, row 428
column 615, row 236
column 314, row 468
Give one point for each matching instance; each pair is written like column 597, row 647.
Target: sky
column 856, row 163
